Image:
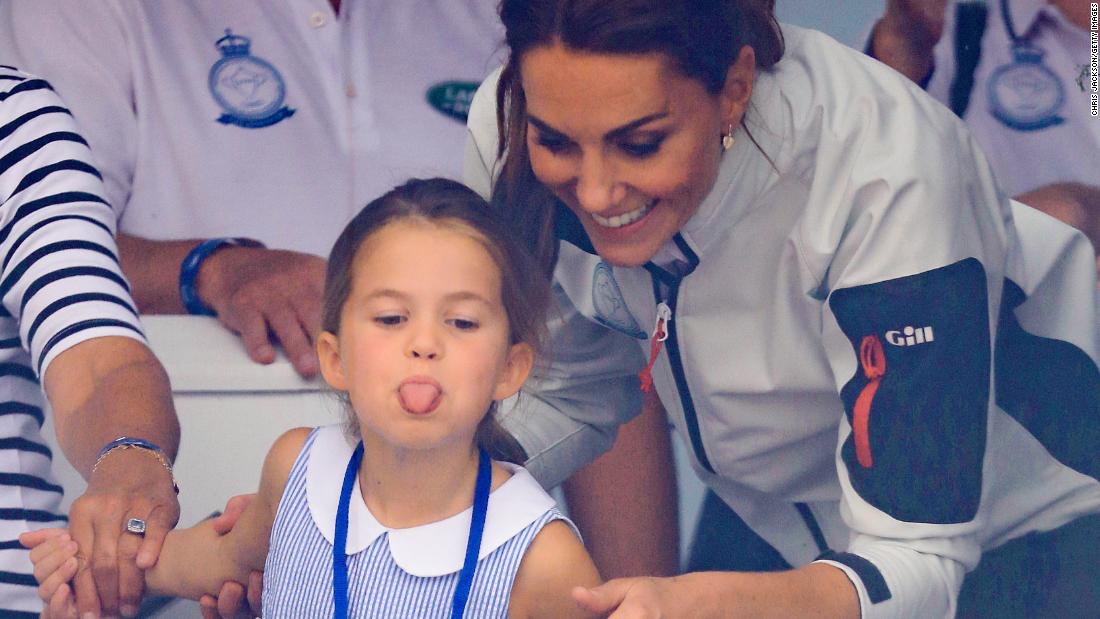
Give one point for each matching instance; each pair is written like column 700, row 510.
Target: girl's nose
column 424, row 344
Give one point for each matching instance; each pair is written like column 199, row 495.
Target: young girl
column 431, row 315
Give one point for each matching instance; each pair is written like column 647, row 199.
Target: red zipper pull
column 873, row 360
column 660, row 334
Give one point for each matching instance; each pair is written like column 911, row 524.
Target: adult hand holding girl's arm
column 197, row 561
column 100, row 389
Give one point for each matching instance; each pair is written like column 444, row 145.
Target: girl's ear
column 516, row 369
column 328, row 353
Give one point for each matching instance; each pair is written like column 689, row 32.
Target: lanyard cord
column 340, row 538
column 1006, row 15
column 473, row 543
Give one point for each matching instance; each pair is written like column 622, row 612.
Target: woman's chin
column 630, row 254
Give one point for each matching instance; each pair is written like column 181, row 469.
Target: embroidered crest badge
column 611, row 310
column 249, row 89
column 1025, row 95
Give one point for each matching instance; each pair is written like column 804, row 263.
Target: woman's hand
column 56, row 560
column 636, row 598
column 130, row 483
column 817, row 589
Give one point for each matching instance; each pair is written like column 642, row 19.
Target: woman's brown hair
column 702, row 37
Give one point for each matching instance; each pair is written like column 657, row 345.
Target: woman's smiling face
column 627, row 142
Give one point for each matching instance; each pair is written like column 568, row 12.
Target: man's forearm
column 153, row 269
column 891, row 47
column 1076, row 204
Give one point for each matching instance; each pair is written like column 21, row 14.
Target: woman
column 819, row 277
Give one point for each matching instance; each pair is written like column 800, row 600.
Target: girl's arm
column 553, row 565
column 196, row 561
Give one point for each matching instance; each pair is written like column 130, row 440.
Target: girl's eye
column 389, row 320
column 641, row 150
column 463, row 324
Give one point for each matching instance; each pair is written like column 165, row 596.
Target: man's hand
column 259, row 293
column 129, row 483
column 906, row 34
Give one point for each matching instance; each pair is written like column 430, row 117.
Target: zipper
column 660, row 334
column 672, row 347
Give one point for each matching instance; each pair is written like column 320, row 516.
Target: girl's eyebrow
column 460, row 295
column 617, row 132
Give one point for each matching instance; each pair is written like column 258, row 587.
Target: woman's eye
column 463, row 324
column 641, row 150
column 552, row 143
column 389, row 320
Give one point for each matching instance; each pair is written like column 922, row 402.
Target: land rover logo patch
column 453, row 98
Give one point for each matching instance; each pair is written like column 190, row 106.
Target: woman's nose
column 598, row 191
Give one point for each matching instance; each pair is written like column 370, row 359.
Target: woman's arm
column 196, row 561
column 625, row 502
column 554, row 564
column 815, row 590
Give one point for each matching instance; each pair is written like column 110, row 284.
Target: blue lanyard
column 1010, row 26
column 473, row 543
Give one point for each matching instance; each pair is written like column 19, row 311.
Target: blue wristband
column 189, row 270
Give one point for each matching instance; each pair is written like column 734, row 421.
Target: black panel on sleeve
column 1051, row 387
column 923, row 425
column 877, row 589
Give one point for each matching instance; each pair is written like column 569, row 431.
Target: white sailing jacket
column 877, row 359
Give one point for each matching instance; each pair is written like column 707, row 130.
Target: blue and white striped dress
column 392, row 573
column 60, row 284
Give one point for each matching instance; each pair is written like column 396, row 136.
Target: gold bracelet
column 120, row 443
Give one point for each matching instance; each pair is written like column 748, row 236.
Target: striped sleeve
column 60, row 278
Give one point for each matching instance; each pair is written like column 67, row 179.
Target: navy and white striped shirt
column 392, row 573
column 60, row 284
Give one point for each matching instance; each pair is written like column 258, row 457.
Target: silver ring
column 135, row 526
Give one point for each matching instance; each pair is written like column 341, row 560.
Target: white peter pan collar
column 433, row 549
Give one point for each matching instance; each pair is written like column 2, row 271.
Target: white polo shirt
column 1027, row 159
column 279, row 131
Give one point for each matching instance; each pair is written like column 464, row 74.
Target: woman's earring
column 727, row 139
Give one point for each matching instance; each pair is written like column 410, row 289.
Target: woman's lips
column 624, row 219
column 419, row 395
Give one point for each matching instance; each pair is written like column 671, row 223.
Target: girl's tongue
column 419, row 397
